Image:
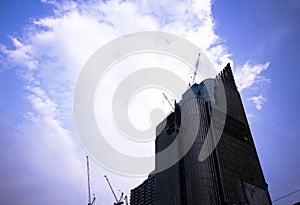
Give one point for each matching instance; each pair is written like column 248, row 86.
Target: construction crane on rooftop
column 196, row 69
column 90, row 202
column 169, row 101
column 122, row 198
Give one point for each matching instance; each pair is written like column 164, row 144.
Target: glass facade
column 144, row 193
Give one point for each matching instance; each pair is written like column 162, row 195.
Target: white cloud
column 49, row 131
column 21, row 55
column 247, row 75
column 258, row 101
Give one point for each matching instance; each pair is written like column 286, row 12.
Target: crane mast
column 126, row 200
column 90, row 202
column 88, row 176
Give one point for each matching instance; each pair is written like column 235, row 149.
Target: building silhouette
column 231, row 174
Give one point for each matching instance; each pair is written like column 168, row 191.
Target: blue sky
column 43, row 46
column 270, row 32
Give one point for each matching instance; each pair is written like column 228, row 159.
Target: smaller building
column 144, row 193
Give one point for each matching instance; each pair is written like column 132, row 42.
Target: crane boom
column 92, row 201
column 196, row 69
column 168, row 101
column 111, row 188
column 121, row 197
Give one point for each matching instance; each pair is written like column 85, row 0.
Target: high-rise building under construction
column 231, row 173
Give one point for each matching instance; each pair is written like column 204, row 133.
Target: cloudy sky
column 44, row 45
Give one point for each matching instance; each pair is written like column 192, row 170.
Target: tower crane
column 90, row 202
column 122, row 198
column 169, row 101
column 196, row 69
